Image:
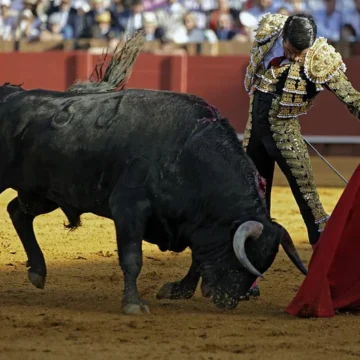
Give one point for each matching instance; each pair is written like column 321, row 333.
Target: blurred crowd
column 177, row 21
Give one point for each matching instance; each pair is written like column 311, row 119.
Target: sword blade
column 331, row 167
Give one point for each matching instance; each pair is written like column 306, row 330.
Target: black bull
column 165, row 167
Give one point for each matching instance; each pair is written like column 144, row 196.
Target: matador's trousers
column 265, row 151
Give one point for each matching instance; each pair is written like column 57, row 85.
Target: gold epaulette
column 269, row 26
column 322, row 62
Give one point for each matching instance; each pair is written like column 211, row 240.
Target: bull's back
column 81, row 143
column 105, row 119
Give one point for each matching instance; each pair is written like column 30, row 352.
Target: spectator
column 352, row 18
column 56, row 31
column 17, row 6
column 223, row 8
column 328, row 21
column 7, row 21
column 41, row 10
column 198, row 11
column 191, row 33
column 102, row 28
column 225, row 29
column 77, row 20
column 73, row 19
column 31, row 5
column 170, row 18
column 117, row 7
column 96, row 8
column 208, row 6
column 131, row 20
column 348, row 33
column 64, row 12
column 28, row 27
column 151, row 29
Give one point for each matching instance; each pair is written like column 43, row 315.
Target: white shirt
column 276, row 51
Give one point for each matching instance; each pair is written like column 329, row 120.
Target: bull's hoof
column 165, row 291
column 205, row 290
column 28, row 264
column 37, row 280
column 135, row 309
column 174, row 291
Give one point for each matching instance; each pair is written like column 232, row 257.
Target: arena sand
column 77, row 315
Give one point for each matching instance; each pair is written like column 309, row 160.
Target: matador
column 289, row 66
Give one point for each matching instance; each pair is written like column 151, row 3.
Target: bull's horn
column 291, row 251
column 247, row 229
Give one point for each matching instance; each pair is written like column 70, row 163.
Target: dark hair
column 300, row 30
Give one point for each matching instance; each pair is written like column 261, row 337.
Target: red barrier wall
column 219, row 80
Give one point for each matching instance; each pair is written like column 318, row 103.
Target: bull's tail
column 73, row 217
column 120, row 67
column 118, row 70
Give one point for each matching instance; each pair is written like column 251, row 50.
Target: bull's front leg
column 23, row 210
column 130, row 210
column 185, row 288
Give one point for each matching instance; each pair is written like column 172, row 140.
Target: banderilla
column 331, row 167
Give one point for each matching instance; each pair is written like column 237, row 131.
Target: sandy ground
column 77, row 315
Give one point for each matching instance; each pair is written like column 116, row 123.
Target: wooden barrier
column 232, row 47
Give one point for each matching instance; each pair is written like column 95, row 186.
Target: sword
column 331, row 167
